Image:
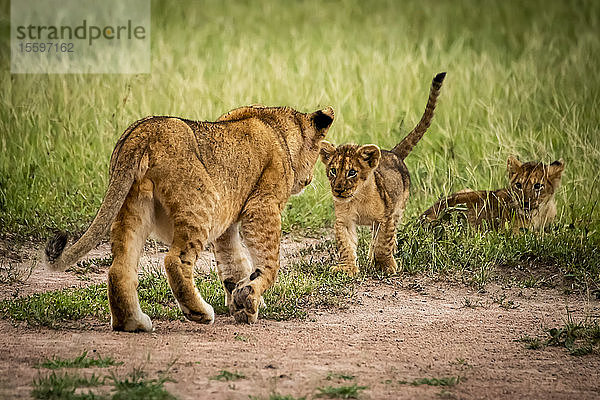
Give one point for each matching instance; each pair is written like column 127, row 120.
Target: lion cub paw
column 245, row 303
column 388, row 266
column 350, row 269
column 137, row 323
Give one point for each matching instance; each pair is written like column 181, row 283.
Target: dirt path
column 394, row 332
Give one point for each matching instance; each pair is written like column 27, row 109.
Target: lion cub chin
column 528, row 201
column 370, row 187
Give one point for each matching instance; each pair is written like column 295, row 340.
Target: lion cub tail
column 125, row 166
column 403, row 148
column 464, row 196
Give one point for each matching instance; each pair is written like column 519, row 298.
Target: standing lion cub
column 193, row 183
column 371, row 187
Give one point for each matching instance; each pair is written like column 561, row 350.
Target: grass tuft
column 82, row 361
column 225, row 375
column 341, row 392
column 64, row 386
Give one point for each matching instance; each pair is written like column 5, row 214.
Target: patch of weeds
column 225, row 375
column 532, row 282
column 455, row 249
column 137, row 385
column 468, row 303
column 344, row 377
column 531, row 342
column 578, row 337
column 445, row 381
column 91, row 266
column 504, row 303
column 277, row 396
column 82, row 361
column 241, row 338
column 14, row 272
column 64, row 386
column 341, row 392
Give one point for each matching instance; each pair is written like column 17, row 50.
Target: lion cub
column 528, row 202
column 370, row 187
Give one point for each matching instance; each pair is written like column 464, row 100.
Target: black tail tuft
column 439, row 78
column 55, row 246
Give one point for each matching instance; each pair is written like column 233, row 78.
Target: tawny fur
column 528, row 201
column 192, row 183
column 371, row 187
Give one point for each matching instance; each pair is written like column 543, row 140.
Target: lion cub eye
column 352, row 173
column 518, row 185
column 332, row 172
column 538, row 186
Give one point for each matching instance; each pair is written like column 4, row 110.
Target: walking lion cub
column 370, row 187
column 193, row 183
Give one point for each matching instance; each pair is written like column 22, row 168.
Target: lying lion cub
column 193, row 183
column 528, row 202
column 370, row 187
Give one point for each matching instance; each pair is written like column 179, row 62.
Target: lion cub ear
column 370, row 155
column 555, row 171
column 513, row 165
column 326, row 151
column 322, row 120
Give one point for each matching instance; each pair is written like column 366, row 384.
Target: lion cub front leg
column 384, row 245
column 261, row 229
column 346, row 240
column 233, row 261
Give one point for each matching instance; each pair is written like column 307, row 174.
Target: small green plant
column 82, row 361
column 137, row 386
column 91, row 265
column 240, row 337
column 64, row 386
column 345, row 377
column 13, row 272
column 578, row 337
column 225, row 375
column 341, row 392
column 446, row 381
column 532, row 343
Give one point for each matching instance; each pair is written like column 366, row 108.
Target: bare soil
column 392, row 332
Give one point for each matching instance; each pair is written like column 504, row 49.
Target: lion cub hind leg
column 347, row 240
column 233, row 261
column 179, row 264
column 129, row 232
column 384, row 245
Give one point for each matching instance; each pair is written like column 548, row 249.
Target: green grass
column 445, row 381
column 63, row 386
column 82, row 361
column 300, row 286
column 137, row 385
column 225, row 375
column 341, row 392
column 578, row 337
column 522, row 79
column 134, row 386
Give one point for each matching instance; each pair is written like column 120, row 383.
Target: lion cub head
column 533, row 183
column 348, row 167
column 301, row 138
